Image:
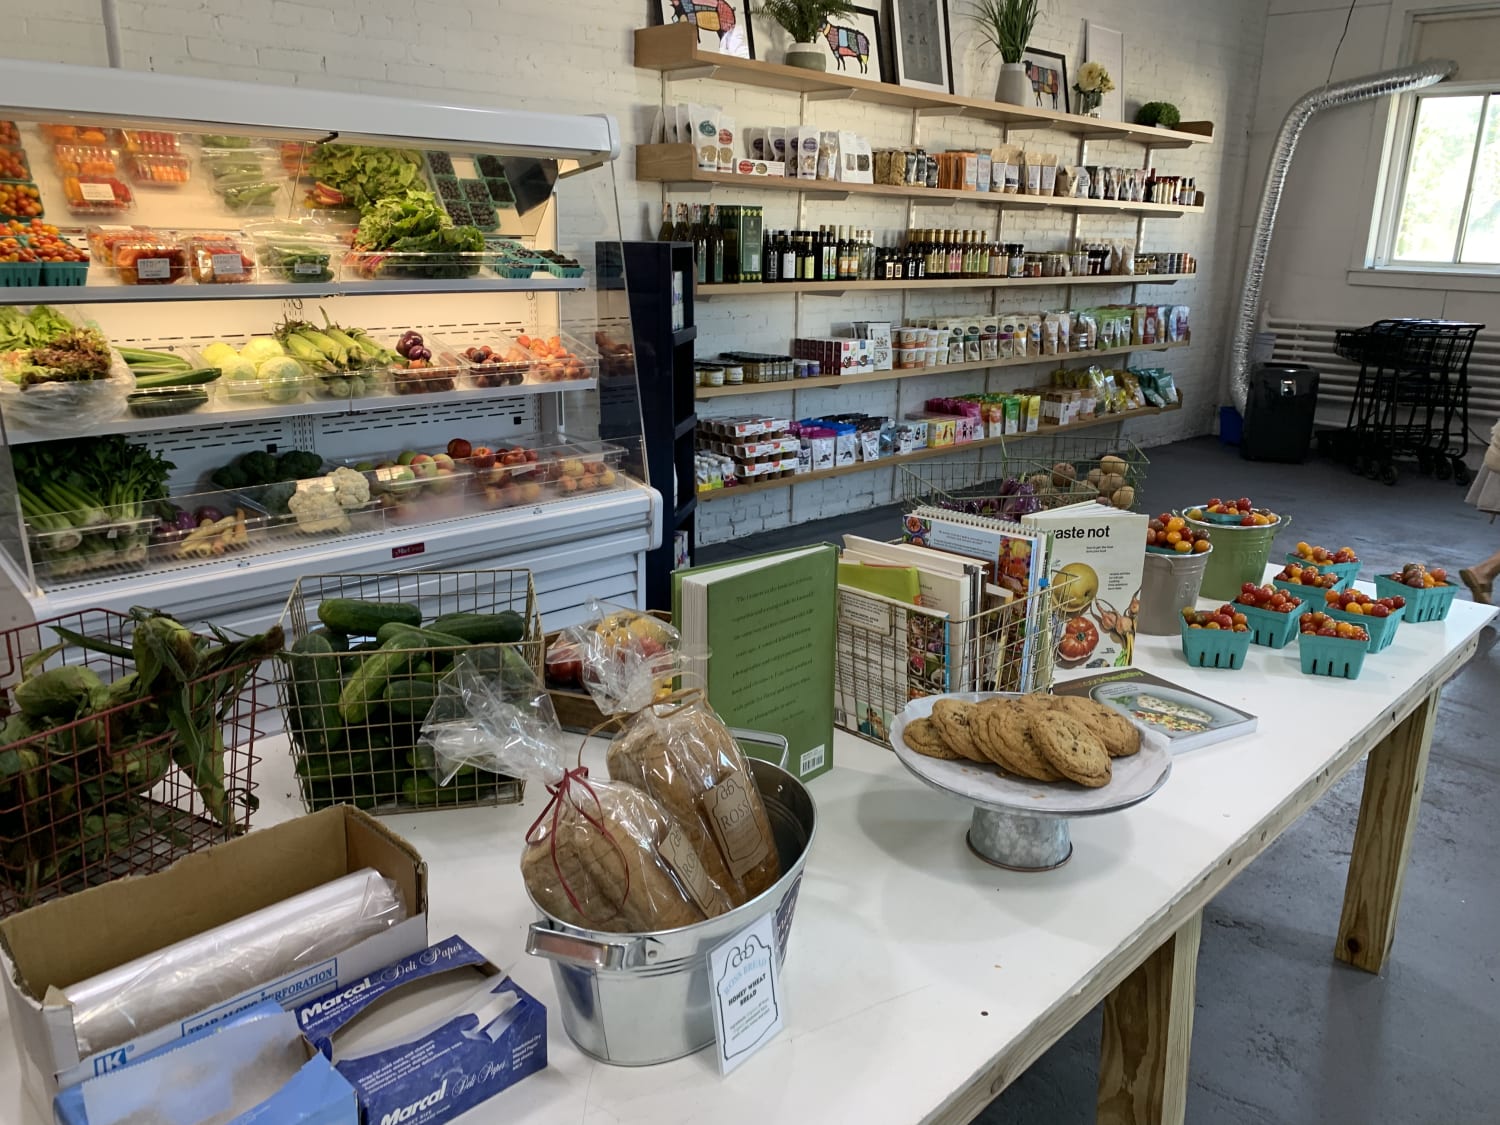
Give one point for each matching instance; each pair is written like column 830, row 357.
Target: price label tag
column 97, row 193
column 408, row 550
column 228, row 265
column 746, row 993
column 306, row 267
column 154, row 269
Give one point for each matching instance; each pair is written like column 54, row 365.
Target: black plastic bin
column 1283, row 397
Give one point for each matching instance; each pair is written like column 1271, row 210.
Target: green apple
column 407, row 456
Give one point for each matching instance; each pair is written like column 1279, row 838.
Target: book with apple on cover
column 1188, row 719
column 758, row 635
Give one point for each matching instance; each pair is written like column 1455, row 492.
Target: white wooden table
column 921, row 981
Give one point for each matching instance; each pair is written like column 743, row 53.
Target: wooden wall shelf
column 839, row 288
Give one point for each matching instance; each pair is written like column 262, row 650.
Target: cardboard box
column 221, row 1067
column 71, row 939
column 429, row 1036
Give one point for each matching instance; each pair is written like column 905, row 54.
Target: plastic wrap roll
column 219, row 964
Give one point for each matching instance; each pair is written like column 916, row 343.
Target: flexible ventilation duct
column 1324, row 97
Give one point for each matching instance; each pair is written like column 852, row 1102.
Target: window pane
column 1437, row 175
column 1482, row 238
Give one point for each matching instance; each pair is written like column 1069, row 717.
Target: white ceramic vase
column 809, row 56
column 1015, row 87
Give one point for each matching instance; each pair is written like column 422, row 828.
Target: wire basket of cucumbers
column 366, row 653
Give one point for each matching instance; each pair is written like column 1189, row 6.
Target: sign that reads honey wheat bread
column 758, row 634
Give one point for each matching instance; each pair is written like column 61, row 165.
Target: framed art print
column 922, row 57
column 1048, row 72
column 723, row 25
column 1106, row 47
column 851, row 44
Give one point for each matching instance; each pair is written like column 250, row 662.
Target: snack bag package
column 602, row 855
column 627, row 659
column 681, row 753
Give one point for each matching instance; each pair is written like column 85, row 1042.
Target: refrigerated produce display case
column 300, row 332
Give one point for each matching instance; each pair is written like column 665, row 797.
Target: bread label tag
column 680, row 855
column 735, row 825
column 746, row 982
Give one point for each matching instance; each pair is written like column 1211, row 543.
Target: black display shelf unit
column 659, row 279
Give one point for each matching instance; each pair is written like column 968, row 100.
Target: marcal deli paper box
column 429, row 1037
column 1103, row 550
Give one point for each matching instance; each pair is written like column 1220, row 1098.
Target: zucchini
column 315, row 693
column 368, row 682
column 506, row 627
column 411, row 698
column 192, row 378
column 361, row 618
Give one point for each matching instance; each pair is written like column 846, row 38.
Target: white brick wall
column 576, row 57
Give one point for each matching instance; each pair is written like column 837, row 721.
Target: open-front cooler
column 315, row 343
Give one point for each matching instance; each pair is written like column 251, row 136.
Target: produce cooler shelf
column 103, row 294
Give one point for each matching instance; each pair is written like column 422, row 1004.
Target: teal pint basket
column 1331, row 656
column 20, row 273
column 1269, row 628
column 1214, row 648
column 65, row 273
column 1308, row 594
column 1428, row 604
column 1382, row 630
column 1346, row 572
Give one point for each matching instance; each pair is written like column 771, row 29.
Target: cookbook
column 1188, row 719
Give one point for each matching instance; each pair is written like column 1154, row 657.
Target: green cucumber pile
column 359, row 689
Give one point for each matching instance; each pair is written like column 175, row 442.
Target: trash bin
column 1282, row 399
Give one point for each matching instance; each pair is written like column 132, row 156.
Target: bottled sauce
column 700, row 244
column 665, row 233
column 771, row 255
column 715, row 240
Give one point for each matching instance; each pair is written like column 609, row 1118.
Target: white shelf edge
column 107, row 294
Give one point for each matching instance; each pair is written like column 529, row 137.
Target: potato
column 1123, row 497
column 1042, row 482
column 1095, row 476
column 1062, row 473
column 1112, row 464
column 1110, row 482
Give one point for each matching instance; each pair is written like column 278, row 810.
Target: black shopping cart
column 1412, row 399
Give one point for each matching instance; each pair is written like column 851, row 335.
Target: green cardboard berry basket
column 1425, row 604
column 20, row 273
column 1382, row 630
column 65, row 273
column 1331, row 656
column 1214, row 648
column 1308, row 594
column 1347, row 572
column 1269, row 628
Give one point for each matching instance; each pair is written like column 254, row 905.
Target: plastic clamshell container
column 369, row 265
column 1269, row 628
column 243, row 525
column 422, row 491
column 97, row 195
column 219, row 259
column 116, row 542
column 1428, row 603
column 506, row 367
column 298, row 250
column 23, row 192
column 155, row 142
column 86, row 161
column 164, row 402
column 218, row 165
column 79, row 134
column 445, row 373
column 1346, row 572
column 360, row 383
column 1331, row 656
column 1214, row 648
column 278, row 386
column 1382, row 630
column 159, row 171
column 150, row 259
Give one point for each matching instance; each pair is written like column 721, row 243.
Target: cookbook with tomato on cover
column 1188, row 719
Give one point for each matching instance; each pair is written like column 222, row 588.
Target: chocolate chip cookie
column 923, row 736
column 1071, row 749
column 1121, row 737
column 953, row 718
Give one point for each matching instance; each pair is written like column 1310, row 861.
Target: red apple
column 458, row 449
column 482, row 456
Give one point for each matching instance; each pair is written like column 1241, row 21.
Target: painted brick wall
column 576, row 57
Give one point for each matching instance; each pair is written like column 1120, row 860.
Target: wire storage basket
column 888, row 653
column 99, row 783
column 355, row 701
column 1030, row 476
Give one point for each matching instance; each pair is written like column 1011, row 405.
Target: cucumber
column 366, row 685
column 417, row 637
column 502, row 628
column 315, row 693
column 193, row 378
column 361, row 618
column 411, row 698
column 339, row 641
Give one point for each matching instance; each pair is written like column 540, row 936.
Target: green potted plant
column 804, row 21
column 1006, row 26
column 1164, row 115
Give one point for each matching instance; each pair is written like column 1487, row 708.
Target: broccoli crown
column 298, row 464
column 229, row 477
column 258, row 466
column 275, row 496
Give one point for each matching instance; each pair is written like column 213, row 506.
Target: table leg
column 1394, row 775
column 1148, row 1031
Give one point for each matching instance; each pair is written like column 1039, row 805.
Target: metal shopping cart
column 1412, row 398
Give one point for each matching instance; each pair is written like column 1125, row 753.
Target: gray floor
column 1283, row 1034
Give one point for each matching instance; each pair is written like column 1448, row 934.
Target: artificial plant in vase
column 804, row 21
column 1006, row 25
column 1092, row 84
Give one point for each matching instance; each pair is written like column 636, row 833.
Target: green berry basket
column 1306, row 593
column 1382, row 630
column 65, row 273
column 1346, row 572
column 1430, row 603
column 20, row 273
column 1269, row 628
column 1214, row 648
column 1331, row 656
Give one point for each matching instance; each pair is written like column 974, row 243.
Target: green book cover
column 767, row 626
column 899, row 583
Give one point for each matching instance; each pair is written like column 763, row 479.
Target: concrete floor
column 1283, row 1034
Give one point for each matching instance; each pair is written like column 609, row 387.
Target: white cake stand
column 1022, row 825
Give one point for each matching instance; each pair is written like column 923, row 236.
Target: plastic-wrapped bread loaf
column 684, row 756
column 619, row 863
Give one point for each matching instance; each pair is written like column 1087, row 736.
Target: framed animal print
column 1048, row 72
column 922, row 56
column 853, row 43
column 723, row 25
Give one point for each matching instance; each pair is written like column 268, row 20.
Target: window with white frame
column 1442, row 207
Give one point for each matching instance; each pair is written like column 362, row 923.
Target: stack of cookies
column 1036, row 737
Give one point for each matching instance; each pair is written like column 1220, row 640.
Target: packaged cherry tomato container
column 1214, row 648
column 1346, row 573
column 1424, row 603
column 1331, row 656
column 1268, row 627
column 1382, row 630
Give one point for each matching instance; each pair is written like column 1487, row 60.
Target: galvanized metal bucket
column 639, row 999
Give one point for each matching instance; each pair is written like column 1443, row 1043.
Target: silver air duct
column 1397, row 81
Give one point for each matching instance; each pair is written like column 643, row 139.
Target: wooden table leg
column 1148, row 1032
column 1394, row 775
